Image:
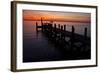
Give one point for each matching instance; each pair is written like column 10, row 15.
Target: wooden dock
column 59, row 36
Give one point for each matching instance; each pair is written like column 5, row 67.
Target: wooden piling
column 42, row 24
column 36, row 26
column 72, row 37
column 58, row 26
column 41, row 21
column 64, row 27
column 61, row 28
column 73, row 29
column 55, row 33
column 55, row 26
column 61, row 32
column 64, row 31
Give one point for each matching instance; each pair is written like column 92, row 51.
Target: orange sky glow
column 31, row 15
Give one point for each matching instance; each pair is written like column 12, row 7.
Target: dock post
column 55, row 26
column 61, row 27
column 73, row 29
column 51, row 30
column 41, row 21
column 42, row 24
column 55, row 32
column 61, row 32
column 36, row 26
column 58, row 26
column 64, row 27
column 72, row 37
column 64, row 30
column 37, row 29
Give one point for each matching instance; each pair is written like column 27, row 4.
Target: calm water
column 36, row 46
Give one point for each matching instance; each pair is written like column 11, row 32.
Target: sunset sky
column 31, row 15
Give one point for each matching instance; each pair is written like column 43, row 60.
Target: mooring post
column 36, row 26
column 64, row 31
column 37, row 29
column 64, row 27
column 42, row 24
column 72, row 37
column 61, row 27
column 55, row 26
column 73, row 29
column 61, row 32
column 58, row 26
column 51, row 29
column 55, row 31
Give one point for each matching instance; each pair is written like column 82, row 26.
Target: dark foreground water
column 37, row 47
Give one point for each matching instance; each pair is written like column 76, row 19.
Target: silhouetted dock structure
column 59, row 36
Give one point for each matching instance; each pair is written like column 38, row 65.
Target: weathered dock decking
column 62, row 33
